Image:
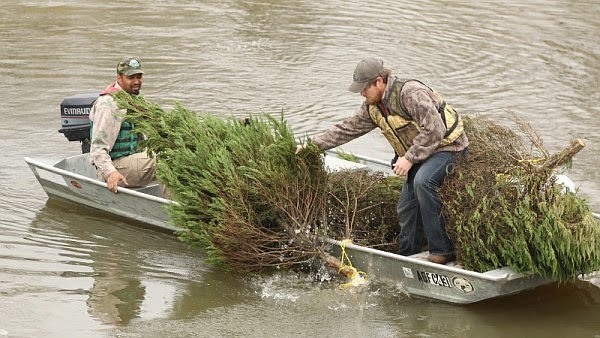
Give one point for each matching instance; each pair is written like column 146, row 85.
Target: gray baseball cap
column 366, row 70
column 130, row 66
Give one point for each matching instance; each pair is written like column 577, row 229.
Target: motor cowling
column 74, row 116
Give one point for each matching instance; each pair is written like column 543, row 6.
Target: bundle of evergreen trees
column 504, row 207
column 242, row 193
column 253, row 204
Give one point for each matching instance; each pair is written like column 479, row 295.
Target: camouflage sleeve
column 350, row 128
column 422, row 104
column 105, row 129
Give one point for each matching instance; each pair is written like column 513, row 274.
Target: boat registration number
column 434, row 278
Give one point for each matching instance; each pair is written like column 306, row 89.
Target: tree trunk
column 335, row 263
column 563, row 156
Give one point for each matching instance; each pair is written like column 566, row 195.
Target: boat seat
column 150, row 189
column 333, row 163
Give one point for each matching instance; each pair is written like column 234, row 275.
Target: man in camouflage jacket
column 427, row 136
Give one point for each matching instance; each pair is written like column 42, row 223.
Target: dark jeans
column 420, row 208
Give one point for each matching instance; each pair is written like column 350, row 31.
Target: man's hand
column 113, row 181
column 402, row 166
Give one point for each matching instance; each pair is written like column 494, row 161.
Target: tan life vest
column 399, row 128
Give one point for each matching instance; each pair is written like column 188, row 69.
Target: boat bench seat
column 150, row 189
column 333, row 163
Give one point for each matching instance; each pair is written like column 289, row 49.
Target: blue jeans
column 420, row 208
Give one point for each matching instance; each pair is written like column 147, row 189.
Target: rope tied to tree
column 355, row 277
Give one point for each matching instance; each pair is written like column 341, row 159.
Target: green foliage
column 347, row 156
column 504, row 211
column 242, row 193
column 252, row 204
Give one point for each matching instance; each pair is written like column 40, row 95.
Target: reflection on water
column 123, row 277
column 99, row 258
column 115, row 297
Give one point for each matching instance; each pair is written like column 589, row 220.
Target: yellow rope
column 532, row 160
column 357, row 278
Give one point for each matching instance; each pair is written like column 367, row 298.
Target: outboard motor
column 74, row 116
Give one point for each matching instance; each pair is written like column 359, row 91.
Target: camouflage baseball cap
column 130, row 66
column 365, row 71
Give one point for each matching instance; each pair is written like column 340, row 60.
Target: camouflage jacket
column 420, row 103
column 107, row 119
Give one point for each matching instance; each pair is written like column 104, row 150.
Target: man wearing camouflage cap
column 113, row 143
column 427, row 136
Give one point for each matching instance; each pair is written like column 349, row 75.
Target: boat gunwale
column 52, row 168
column 507, row 275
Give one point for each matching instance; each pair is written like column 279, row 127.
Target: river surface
column 70, row 272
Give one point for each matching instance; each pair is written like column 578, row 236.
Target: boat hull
column 450, row 283
column 73, row 179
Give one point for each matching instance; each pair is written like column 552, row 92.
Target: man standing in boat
column 427, row 136
column 113, row 144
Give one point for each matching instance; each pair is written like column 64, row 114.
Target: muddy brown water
column 70, row 272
